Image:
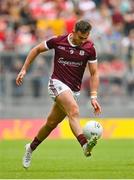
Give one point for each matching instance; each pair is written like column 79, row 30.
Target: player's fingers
column 94, row 104
column 98, row 106
column 97, row 110
column 19, row 80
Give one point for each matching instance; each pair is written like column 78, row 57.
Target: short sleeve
column 92, row 55
column 51, row 43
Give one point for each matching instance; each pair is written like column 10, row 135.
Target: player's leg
column 69, row 104
column 54, row 118
column 67, row 101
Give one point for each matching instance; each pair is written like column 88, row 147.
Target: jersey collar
column 68, row 38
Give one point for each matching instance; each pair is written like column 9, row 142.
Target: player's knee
column 74, row 111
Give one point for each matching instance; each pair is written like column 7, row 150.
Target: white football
column 93, row 128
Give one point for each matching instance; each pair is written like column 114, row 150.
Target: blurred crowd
column 25, row 23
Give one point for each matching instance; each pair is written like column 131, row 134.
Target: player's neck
column 70, row 37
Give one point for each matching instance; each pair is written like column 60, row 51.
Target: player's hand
column 20, row 77
column 96, row 106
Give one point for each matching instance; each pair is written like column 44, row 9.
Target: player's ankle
column 82, row 139
column 34, row 144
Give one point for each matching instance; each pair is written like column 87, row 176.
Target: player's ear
column 73, row 31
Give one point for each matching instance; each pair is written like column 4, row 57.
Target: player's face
column 79, row 37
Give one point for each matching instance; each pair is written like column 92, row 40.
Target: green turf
column 64, row 159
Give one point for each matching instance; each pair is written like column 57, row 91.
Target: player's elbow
column 94, row 73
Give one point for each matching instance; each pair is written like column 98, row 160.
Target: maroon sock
column 35, row 143
column 82, row 139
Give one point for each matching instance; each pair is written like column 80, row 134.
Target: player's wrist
column 93, row 95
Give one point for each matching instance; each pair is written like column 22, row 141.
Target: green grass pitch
column 64, row 159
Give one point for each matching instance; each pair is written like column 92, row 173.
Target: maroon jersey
column 70, row 60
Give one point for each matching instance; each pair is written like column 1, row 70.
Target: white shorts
column 56, row 87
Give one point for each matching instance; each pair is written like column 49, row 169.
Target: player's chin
column 78, row 43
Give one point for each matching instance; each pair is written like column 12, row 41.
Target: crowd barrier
column 13, row 129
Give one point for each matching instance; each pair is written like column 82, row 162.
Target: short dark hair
column 83, row 26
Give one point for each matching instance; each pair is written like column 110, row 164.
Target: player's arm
column 34, row 52
column 94, row 84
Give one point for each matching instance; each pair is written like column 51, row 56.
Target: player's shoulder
column 88, row 45
column 54, row 41
column 59, row 37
